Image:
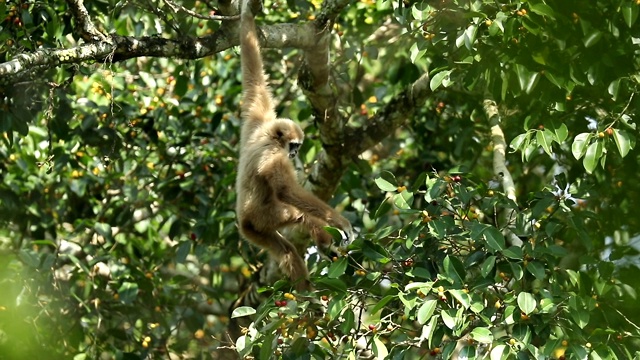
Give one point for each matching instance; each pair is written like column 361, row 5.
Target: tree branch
column 500, row 169
column 87, row 30
column 326, row 173
column 119, row 48
column 499, row 149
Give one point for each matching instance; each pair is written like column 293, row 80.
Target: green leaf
column 526, row 302
column 331, row 284
column 463, row 298
column 103, row 229
column 614, row 88
column 513, row 252
column 374, row 252
column 403, row 200
column 630, row 13
column 543, row 10
column 380, row 304
column 487, row 266
column 453, row 269
column 536, row 269
column 624, row 141
column 518, row 141
column 379, row 349
column 128, row 292
column 482, row 335
column 440, row 78
column 385, row 185
column 527, row 79
column 29, row 258
column 426, row 311
column 338, row 268
column 266, row 349
column 545, row 138
column 578, row 311
column 560, row 131
column 424, row 286
column 579, row 146
column 510, row 315
column 500, row 352
column 448, row 320
column 494, row 238
column 591, row 157
column 555, row 79
column 592, row 38
column 347, row 320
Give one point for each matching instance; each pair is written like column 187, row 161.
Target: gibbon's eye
column 279, row 133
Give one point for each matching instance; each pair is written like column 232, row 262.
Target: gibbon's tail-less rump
column 268, row 195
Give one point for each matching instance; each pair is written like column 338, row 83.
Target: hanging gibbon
column 268, row 196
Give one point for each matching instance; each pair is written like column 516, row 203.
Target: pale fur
column 268, row 195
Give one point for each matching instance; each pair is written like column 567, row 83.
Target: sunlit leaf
column 592, row 155
column 545, row 138
column 338, row 268
column 426, row 311
column 438, row 79
column 379, row 349
column 542, row 9
column 579, row 146
column 526, row 302
column 624, row 141
column 482, row 335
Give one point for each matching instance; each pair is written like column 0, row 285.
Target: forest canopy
column 484, row 152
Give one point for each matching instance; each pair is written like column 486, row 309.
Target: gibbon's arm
column 290, row 192
column 257, row 104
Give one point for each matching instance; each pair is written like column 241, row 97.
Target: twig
column 175, row 7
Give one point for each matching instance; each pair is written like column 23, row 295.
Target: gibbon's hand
column 346, row 230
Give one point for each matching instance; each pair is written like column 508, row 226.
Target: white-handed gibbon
column 268, row 195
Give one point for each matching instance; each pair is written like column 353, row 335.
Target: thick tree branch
column 500, row 169
column 327, row 171
column 499, row 149
column 314, row 81
column 119, row 48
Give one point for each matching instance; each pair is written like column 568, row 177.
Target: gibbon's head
column 288, row 135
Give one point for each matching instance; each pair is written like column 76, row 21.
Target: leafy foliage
column 118, row 236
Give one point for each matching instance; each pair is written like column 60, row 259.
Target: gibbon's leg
column 283, row 252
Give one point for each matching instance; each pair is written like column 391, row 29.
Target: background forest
column 485, row 152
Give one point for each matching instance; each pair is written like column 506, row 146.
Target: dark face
column 293, row 149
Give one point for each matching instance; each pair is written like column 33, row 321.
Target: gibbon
column 268, row 196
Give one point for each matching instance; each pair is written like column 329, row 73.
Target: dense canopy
column 484, row 151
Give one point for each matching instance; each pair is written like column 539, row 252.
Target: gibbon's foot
column 296, row 270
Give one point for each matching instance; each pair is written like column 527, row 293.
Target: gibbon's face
column 288, row 135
